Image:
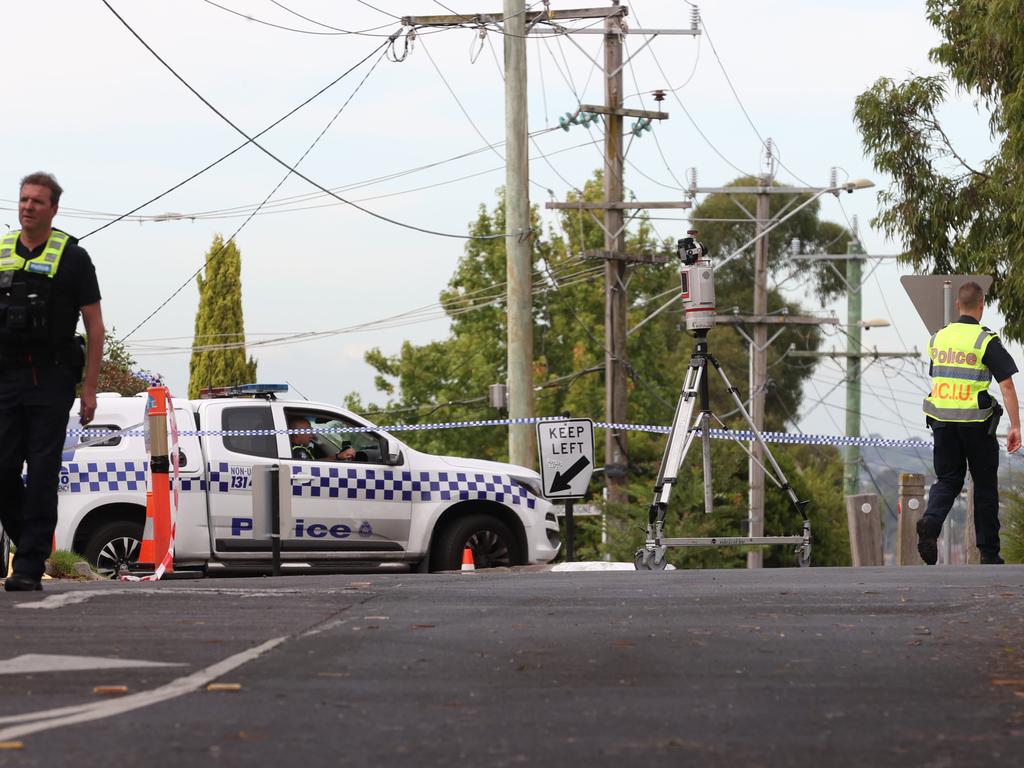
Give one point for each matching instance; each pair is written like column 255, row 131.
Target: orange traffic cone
column 467, row 560
column 146, row 562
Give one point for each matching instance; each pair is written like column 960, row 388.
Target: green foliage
column 952, row 215
column 118, row 371
column 218, row 349
column 1012, row 533
column 61, row 564
column 447, row 380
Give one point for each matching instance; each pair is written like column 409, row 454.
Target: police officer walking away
column 46, row 280
column 965, row 357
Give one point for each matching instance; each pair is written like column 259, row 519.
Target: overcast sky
column 89, row 103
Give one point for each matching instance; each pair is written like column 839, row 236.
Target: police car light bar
column 243, row 390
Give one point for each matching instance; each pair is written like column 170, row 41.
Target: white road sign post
column 566, row 451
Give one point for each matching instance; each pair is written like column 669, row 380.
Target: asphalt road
column 792, row 667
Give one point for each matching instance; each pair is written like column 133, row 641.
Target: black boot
column 19, row 582
column 927, row 540
column 992, row 560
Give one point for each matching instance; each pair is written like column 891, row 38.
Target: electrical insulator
column 695, row 18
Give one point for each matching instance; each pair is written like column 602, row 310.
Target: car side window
column 327, row 440
column 110, row 442
column 245, row 418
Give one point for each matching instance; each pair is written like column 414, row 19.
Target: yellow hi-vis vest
column 46, row 263
column 958, row 375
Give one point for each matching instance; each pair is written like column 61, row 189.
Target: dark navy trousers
column 957, row 447
column 34, row 406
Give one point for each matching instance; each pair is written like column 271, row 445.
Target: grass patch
column 61, row 564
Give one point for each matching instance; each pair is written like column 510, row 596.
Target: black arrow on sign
column 563, row 480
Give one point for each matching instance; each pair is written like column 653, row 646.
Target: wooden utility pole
column 519, row 242
column 615, row 300
column 759, row 373
column 519, row 23
column 616, row 259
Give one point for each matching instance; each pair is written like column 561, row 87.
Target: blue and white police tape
column 94, row 436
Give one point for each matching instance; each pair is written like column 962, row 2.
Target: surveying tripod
column 684, row 430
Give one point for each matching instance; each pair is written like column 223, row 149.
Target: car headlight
column 530, row 484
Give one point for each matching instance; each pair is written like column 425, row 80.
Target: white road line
column 34, row 663
column 64, row 599
column 59, row 718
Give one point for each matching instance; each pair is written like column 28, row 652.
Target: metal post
column 759, row 374
column 616, row 394
column 518, row 244
column 947, row 317
column 854, row 309
column 570, row 532
column 273, row 480
column 971, row 554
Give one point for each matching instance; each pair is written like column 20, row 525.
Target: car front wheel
column 491, row 541
column 112, row 547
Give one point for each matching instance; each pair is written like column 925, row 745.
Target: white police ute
column 358, row 495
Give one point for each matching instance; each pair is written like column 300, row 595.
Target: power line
column 249, row 17
column 288, row 205
column 256, row 210
column 746, row 114
column 693, row 122
column 480, row 300
column 278, row 160
column 224, row 157
column 379, row 10
column 284, row 7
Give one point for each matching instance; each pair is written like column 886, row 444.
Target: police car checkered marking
column 109, row 476
column 219, row 480
column 101, row 476
column 371, row 484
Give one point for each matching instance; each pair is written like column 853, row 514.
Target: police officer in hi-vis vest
column 46, row 281
column 965, row 357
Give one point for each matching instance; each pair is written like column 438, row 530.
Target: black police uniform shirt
column 998, row 361
column 74, row 286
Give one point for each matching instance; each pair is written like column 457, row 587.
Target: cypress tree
column 218, row 348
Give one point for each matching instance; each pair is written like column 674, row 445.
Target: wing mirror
column 394, row 452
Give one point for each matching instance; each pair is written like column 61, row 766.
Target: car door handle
column 302, row 479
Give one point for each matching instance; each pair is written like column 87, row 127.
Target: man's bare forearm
column 1010, row 401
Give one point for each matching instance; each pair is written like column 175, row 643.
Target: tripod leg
column 677, row 445
column 680, row 437
column 705, row 441
column 797, row 504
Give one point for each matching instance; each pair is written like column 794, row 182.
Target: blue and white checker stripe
column 375, row 484
column 102, row 476
column 107, row 476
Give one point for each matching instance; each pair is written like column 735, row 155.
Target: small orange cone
column 467, row 560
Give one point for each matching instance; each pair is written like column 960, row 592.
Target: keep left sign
column 566, row 450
